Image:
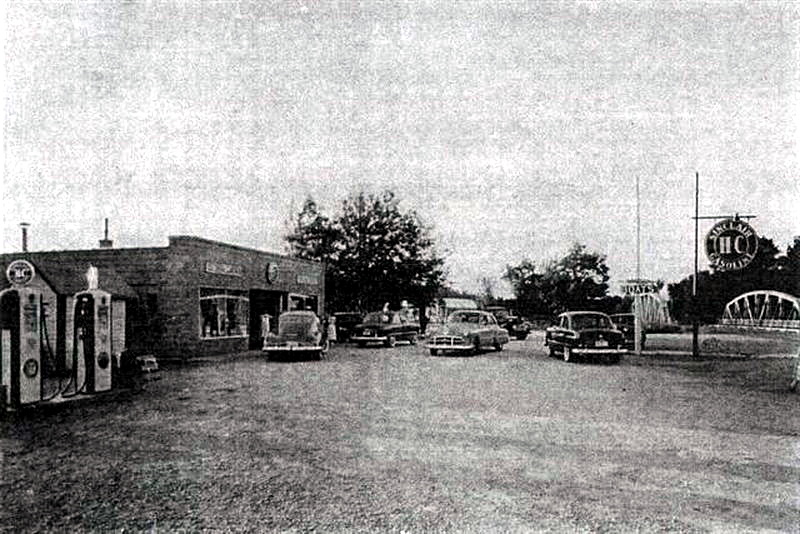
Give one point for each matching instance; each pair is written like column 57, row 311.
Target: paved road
column 396, row 440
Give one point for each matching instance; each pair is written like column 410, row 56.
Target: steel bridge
column 764, row 309
column 654, row 310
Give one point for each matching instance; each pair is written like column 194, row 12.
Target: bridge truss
column 763, row 308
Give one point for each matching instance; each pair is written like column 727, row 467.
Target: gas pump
column 92, row 341
column 20, row 349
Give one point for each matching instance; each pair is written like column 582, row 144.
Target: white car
column 468, row 332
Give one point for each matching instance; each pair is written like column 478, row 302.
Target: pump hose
column 75, row 368
column 46, row 335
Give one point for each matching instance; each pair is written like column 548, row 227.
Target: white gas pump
column 92, row 345
column 20, row 347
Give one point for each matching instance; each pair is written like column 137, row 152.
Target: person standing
column 332, row 329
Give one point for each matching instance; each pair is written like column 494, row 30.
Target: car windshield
column 377, row 318
column 590, row 320
column 626, row 320
column 295, row 325
column 464, row 317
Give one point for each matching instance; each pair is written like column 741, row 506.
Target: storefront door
column 263, row 303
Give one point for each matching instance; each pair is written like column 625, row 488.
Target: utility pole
column 637, row 298
column 695, row 311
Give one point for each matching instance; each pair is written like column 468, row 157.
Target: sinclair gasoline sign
column 731, row 245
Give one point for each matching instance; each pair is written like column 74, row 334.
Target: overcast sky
column 513, row 128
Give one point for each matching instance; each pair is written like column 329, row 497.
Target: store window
column 302, row 302
column 224, row 313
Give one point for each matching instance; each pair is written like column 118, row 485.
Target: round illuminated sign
column 272, row 272
column 20, row 272
column 731, row 245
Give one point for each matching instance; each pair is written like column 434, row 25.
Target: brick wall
column 187, row 268
column 175, row 274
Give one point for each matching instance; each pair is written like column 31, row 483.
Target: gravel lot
column 395, row 440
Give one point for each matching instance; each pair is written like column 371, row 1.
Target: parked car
column 517, row 326
column 299, row 335
column 468, row 332
column 345, row 323
column 580, row 334
column 625, row 323
column 387, row 327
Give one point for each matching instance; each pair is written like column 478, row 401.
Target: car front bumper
column 598, row 350
column 298, row 348
column 369, row 339
column 456, row 347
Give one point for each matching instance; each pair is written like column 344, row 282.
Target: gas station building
column 193, row 297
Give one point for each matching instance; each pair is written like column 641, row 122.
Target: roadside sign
column 731, row 244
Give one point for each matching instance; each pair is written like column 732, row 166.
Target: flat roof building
column 193, row 297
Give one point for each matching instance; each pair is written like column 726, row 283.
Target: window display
column 224, row 313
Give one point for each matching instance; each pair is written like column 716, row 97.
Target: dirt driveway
column 396, row 440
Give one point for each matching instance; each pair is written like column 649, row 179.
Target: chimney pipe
column 106, row 242
column 24, row 227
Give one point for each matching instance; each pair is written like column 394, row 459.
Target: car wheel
column 552, row 351
column 434, row 352
column 567, row 354
column 413, row 339
column 391, row 341
column 497, row 345
column 361, row 344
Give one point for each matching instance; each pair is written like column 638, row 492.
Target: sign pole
column 637, row 299
column 695, row 312
column 730, row 245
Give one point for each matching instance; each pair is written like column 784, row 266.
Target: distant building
column 192, row 297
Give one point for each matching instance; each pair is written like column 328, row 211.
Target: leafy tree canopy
column 571, row 283
column 769, row 270
column 375, row 252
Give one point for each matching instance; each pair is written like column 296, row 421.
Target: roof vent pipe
column 24, row 227
column 106, row 242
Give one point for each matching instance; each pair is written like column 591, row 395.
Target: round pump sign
column 20, row 272
column 731, row 245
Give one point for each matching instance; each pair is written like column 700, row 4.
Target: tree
column 576, row 281
column 768, row 270
column 527, row 286
column 314, row 236
column 573, row 282
column 487, row 291
column 790, row 267
column 375, row 253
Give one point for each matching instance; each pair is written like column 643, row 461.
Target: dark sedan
column 582, row 334
column 387, row 328
column 345, row 323
column 625, row 323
